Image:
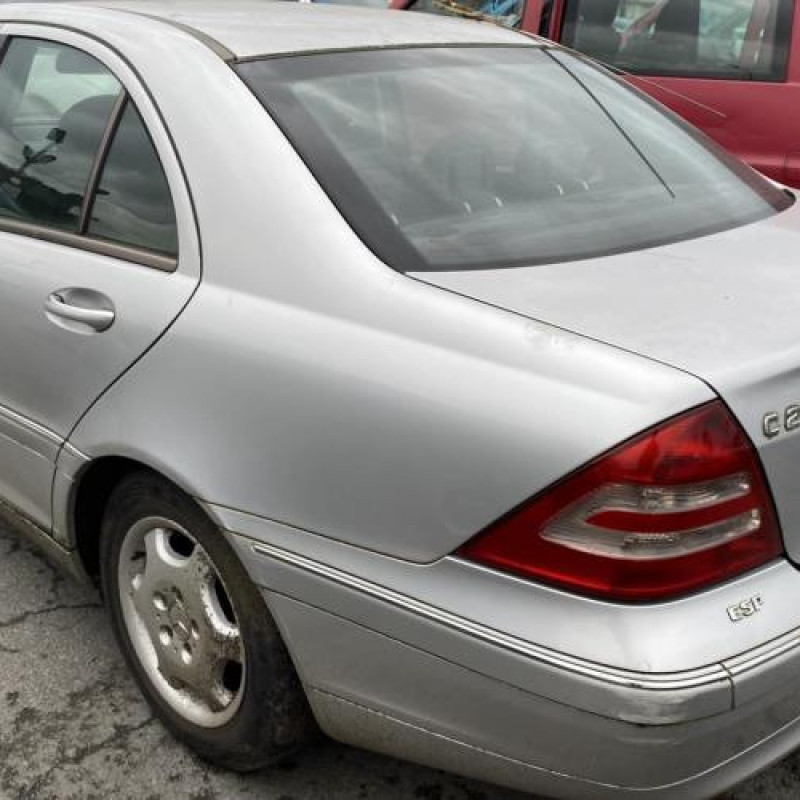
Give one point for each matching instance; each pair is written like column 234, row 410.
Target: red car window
column 732, row 39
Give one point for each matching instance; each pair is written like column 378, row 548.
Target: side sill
column 67, row 560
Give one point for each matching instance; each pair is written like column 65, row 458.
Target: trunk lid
column 725, row 308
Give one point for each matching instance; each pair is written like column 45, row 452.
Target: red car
column 731, row 67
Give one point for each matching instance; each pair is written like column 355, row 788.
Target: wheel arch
column 91, row 489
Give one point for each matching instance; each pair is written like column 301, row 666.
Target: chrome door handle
column 98, row 319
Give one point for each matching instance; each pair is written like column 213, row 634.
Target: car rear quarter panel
column 309, row 384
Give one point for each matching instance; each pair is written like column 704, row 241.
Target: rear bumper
column 389, row 671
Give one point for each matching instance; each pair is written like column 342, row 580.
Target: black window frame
column 81, row 239
column 784, row 29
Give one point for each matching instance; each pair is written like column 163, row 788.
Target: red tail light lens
column 678, row 508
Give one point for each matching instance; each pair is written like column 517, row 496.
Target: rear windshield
column 457, row 158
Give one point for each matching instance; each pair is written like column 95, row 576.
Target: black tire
column 273, row 719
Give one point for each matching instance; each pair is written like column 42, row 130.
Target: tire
column 195, row 631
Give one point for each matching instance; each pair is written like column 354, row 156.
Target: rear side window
column 55, row 103
column 133, row 205
column 731, row 39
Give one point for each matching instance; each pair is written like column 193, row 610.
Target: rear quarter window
column 132, row 204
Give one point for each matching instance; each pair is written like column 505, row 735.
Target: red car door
column 731, row 67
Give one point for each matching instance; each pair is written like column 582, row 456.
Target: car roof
column 248, row 28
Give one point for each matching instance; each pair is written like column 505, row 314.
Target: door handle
column 82, row 308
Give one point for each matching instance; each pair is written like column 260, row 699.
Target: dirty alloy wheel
column 195, row 630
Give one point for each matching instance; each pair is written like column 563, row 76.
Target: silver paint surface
column 723, row 308
column 318, row 404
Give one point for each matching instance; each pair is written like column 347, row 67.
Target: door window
column 733, row 39
column 133, row 205
column 55, row 104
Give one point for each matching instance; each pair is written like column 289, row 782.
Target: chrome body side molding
column 657, row 682
column 28, row 432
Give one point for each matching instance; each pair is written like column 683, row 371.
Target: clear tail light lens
column 681, row 507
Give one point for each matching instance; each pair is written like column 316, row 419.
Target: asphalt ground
column 73, row 724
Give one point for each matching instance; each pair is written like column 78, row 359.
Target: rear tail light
column 678, row 508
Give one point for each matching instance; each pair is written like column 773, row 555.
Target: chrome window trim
column 145, row 258
column 686, row 679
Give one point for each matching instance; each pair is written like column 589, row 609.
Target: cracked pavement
column 73, row 724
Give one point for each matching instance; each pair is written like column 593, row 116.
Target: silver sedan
column 406, row 378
